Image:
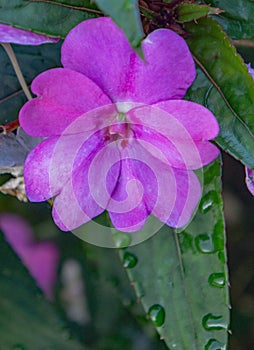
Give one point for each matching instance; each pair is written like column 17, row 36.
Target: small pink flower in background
column 9, row 34
column 118, row 135
column 41, row 259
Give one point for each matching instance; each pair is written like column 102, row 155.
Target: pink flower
column 41, row 259
column 9, row 34
column 118, row 135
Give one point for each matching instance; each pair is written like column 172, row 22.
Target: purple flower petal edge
column 9, row 34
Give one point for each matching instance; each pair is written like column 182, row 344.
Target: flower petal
column 50, row 165
column 199, row 122
column 99, row 49
column 130, row 209
column 63, row 96
column 9, row 34
column 140, row 186
column 89, row 189
column 67, row 211
column 186, row 198
column 161, row 130
column 249, row 179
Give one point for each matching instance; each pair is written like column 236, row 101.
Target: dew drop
column 213, row 322
column 217, row 279
column 122, row 240
column 129, row 260
column 204, row 243
column 214, row 344
column 157, row 314
column 207, row 202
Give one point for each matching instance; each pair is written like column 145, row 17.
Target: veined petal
column 99, row 49
column 140, row 187
column 9, row 34
column 63, row 96
column 167, row 134
column 186, row 198
column 90, row 187
column 199, row 122
column 50, row 165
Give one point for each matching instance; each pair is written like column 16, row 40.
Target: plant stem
column 15, row 64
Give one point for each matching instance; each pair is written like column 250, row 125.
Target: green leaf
column 229, row 91
column 181, row 278
column 126, row 14
column 53, row 18
column 188, row 12
column 27, row 320
column 33, row 60
column 237, row 19
column 234, row 137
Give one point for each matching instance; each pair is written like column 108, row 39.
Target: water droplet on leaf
column 207, row 202
column 129, row 260
column 157, row 314
column 217, row 279
column 204, row 243
column 214, row 344
column 122, row 240
column 213, row 322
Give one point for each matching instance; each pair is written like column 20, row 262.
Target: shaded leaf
column 27, row 320
column 234, row 136
column 126, row 14
column 55, row 18
column 33, row 60
column 237, row 19
column 230, row 91
column 181, row 278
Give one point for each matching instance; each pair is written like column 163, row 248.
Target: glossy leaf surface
column 228, row 89
column 54, row 18
column 181, row 278
column 237, row 19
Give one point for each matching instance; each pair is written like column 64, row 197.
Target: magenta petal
column 99, row 49
column 199, row 122
column 249, row 179
column 67, row 211
column 88, row 191
column 130, row 208
column 37, row 172
column 63, row 96
column 140, row 186
column 168, row 139
column 50, row 164
column 186, row 197
column 9, row 34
